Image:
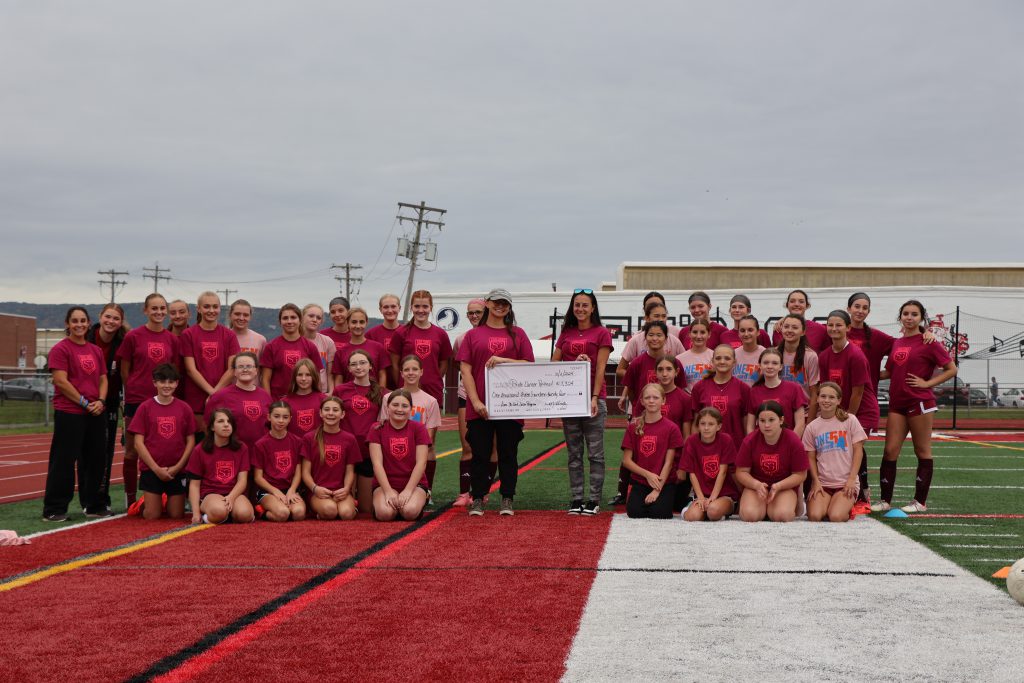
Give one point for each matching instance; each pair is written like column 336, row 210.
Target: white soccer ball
column 1015, row 581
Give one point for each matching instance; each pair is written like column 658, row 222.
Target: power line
column 227, row 298
column 112, row 281
column 383, row 247
column 254, row 282
column 411, row 250
column 156, row 276
column 347, row 278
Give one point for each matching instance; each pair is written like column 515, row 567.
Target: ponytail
column 639, row 429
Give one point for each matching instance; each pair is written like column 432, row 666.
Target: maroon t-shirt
column 164, row 429
column 281, row 355
column 772, row 463
column 575, row 342
column 732, row 338
column 250, row 409
column 218, row 471
column 650, row 449
column 431, row 346
column 642, row 371
column 730, row 399
column 911, row 356
column 849, row 369
column 816, row 334
column 382, row 336
column 305, row 412
column 789, row 395
column 360, row 412
column 339, row 338
column 704, row 460
column 210, row 349
column 278, row 459
column 340, row 451
column 379, row 358
column 482, row 342
column 85, row 366
column 875, row 350
column 714, row 335
column 398, row 450
column 145, row 350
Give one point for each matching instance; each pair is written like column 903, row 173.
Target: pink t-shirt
column 278, row 458
column 431, row 346
column 250, row 341
column 637, row 345
column 339, row 338
column 695, row 365
column 705, row 459
column 455, row 353
column 305, row 412
column 483, row 342
column 832, row 442
column 748, row 365
column 815, row 332
column 770, row 463
column 360, row 412
column 732, row 338
column 398, row 451
column 425, row 410
column 911, row 356
column 651, row 449
column 340, row 451
column 808, row 374
column 164, row 429
column 730, row 399
column 714, row 335
column 210, row 350
column 145, row 350
column 642, row 371
column 281, row 355
column 250, row 409
column 379, row 359
column 788, row 394
column 218, row 470
column 85, row 366
column 849, row 369
column 574, row 342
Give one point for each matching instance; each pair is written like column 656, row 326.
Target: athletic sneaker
column 880, row 506
column 476, row 508
column 859, row 508
column 97, row 514
column 576, row 507
column 55, row 517
column 915, row 507
column 506, row 507
column 619, row 499
column 591, row 509
column 463, row 500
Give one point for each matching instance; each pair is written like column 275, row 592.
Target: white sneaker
column 879, row 506
column 915, row 507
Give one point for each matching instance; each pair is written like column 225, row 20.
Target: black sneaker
column 97, row 514
column 56, row 517
column 576, row 507
column 619, row 499
column 591, row 509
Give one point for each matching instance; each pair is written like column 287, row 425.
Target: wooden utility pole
column 112, row 280
column 227, row 301
column 414, row 246
column 156, row 276
column 347, row 278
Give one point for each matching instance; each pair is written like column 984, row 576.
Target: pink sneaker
column 463, row 500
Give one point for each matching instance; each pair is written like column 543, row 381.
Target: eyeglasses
column 582, row 291
column 474, row 312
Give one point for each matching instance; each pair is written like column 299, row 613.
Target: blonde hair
column 640, row 423
column 841, row 414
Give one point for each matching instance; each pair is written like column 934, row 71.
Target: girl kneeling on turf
column 770, row 466
column 707, row 456
column 398, row 451
column 219, row 470
column 834, row 442
column 648, row 449
column 328, row 466
column 276, row 470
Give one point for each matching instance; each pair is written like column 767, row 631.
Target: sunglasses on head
column 582, row 291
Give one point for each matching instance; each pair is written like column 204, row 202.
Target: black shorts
column 462, row 402
column 364, row 469
column 129, row 413
column 150, row 483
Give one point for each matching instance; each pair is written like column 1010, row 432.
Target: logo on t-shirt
column 830, row 441
column 252, row 409
column 332, row 454
column 360, row 404
column 304, row 419
column 652, row 377
column 769, row 463
column 224, row 472
column 166, row 426
column 900, row 355
column 210, row 350
column 156, row 351
column 836, row 375
column 291, row 357
column 577, row 347
column 497, row 344
column 387, row 343
column 87, row 363
column 720, row 403
column 422, row 347
column 399, row 446
column 664, row 409
column 710, row 465
column 648, row 445
column 283, row 460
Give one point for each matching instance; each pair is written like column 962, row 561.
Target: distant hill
column 264, row 320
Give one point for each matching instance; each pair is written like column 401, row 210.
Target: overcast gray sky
column 240, row 141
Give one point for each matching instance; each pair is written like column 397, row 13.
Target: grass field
column 24, row 413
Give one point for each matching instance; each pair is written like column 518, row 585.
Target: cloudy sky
column 237, row 142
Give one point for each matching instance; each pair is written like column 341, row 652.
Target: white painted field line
column 974, row 526
column 969, row 535
column 965, row 469
column 74, row 526
column 1000, row 547
column 960, row 486
column 994, row 559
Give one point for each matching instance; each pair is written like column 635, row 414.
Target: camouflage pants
column 588, row 430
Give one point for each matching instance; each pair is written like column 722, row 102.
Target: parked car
column 944, row 394
column 26, row 389
column 978, row 397
column 1013, row 398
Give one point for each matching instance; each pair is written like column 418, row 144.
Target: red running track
column 23, row 461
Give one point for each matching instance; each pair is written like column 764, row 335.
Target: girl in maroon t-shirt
column 699, row 304
column 708, row 456
column 276, row 468
column 398, row 451
column 358, row 340
column 360, row 399
column 771, row 466
column 846, row 365
column 911, row 370
column 329, row 457
column 739, row 308
column 304, row 398
column 648, row 451
column 282, row 353
column 207, row 350
column 771, row 387
column 641, row 370
column 338, row 331
column 797, row 303
column 219, row 470
column 419, row 337
column 720, row 390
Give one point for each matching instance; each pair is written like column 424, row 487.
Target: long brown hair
column 375, row 394
column 841, row 414
column 293, row 387
column 319, row 433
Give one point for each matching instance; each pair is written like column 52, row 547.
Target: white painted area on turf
column 716, row 622
column 90, row 522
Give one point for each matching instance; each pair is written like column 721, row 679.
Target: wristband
column 82, row 401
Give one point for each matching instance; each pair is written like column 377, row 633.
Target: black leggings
column 659, row 509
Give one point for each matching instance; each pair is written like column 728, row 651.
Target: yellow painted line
column 451, row 452
column 950, row 439
column 86, row 560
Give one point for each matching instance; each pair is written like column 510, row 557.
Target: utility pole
column 227, row 300
column 411, row 249
column 156, row 276
column 347, row 278
column 112, row 281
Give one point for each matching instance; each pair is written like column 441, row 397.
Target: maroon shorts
column 914, row 408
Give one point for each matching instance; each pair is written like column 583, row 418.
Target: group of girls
column 818, row 384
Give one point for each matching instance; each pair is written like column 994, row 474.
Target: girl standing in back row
column 428, row 342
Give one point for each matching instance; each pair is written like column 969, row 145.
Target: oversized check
column 524, row 390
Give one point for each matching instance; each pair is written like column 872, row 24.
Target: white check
column 529, row 390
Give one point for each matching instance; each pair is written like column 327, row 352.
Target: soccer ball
column 1015, row 581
